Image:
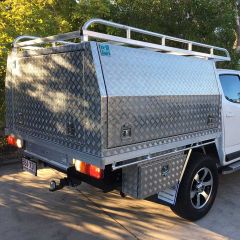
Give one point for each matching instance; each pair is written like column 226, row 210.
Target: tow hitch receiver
column 71, row 180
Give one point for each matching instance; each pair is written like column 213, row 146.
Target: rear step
column 234, row 167
column 169, row 195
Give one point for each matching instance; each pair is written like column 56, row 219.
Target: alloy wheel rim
column 201, row 188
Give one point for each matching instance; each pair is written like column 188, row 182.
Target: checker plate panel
column 56, row 98
column 75, row 98
column 144, row 180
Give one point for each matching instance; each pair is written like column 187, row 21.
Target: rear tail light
column 17, row 142
column 95, row 172
column 89, row 169
column 11, row 140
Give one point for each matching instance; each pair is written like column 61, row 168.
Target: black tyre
column 198, row 188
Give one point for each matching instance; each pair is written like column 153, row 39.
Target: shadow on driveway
column 29, row 211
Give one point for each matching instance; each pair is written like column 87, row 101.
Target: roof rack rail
column 159, row 47
column 34, row 41
column 208, row 51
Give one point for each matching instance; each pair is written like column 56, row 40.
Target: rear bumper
column 111, row 180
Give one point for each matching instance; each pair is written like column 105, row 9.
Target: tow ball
column 53, row 186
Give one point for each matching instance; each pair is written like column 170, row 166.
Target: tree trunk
column 238, row 25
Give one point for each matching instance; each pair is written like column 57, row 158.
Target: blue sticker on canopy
column 105, row 50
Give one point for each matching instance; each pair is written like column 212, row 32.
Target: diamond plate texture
column 137, row 72
column 144, row 180
column 158, row 95
column 160, row 117
column 8, row 93
column 93, row 108
column 164, row 143
column 76, row 98
column 57, row 99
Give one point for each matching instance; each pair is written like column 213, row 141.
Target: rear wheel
column 198, row 188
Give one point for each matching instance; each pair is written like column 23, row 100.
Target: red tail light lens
column 11, row 140
column 95, row 172
column 89, row 169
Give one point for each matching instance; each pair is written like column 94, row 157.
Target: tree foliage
column 208, row 21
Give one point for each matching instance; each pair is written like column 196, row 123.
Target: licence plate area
column 29, row 166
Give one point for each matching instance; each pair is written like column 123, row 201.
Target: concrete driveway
column 29, row 211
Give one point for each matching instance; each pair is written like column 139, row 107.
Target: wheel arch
column 210, row 150
column 183, row 206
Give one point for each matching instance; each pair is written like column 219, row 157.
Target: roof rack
column 25, row 43
column 207, row 51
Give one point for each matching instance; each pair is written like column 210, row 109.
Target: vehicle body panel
column 104, row 108
column 231, row 120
